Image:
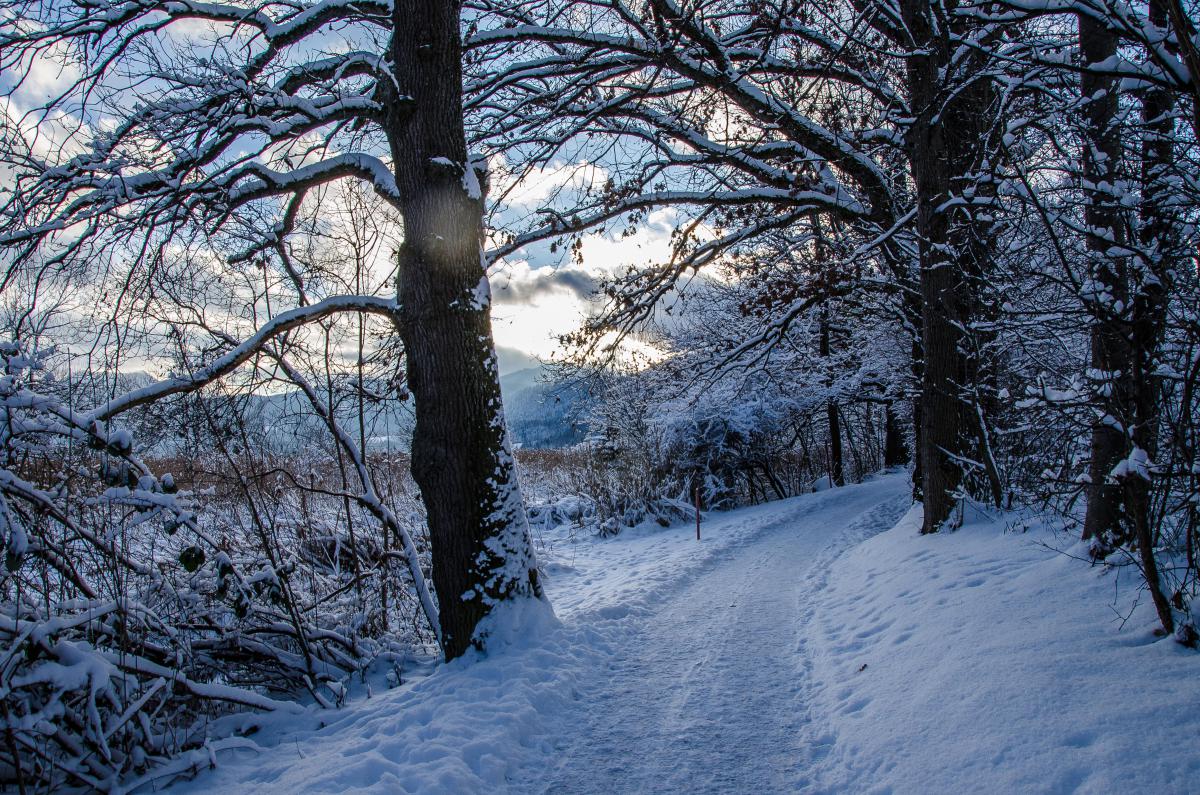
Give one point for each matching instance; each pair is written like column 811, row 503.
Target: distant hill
column 511, row 360
column 539, row 414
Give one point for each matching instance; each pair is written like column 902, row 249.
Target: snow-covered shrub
column 551, row 481
column 655, row 447
column 593, row 487
column 135, row 606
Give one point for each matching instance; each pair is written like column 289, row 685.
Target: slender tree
column 1108, row 298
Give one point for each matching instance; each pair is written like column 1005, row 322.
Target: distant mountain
column 539, row 414
column 511, row 360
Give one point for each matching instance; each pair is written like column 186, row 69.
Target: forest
column 260, row 445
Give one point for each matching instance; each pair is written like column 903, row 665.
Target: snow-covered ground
column 801, row 646
column 996, row 660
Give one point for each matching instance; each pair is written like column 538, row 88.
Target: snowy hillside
column 817, row 644
column 541, row 414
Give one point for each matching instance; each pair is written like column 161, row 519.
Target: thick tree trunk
column 1107, row 293
column 942, row 418
column 482, row 555
column 953, row 110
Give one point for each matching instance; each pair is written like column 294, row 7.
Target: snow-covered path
column 814, row 645
column 678, row 666
column 710, row 696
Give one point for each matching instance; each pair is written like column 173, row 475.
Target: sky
column 538, row 296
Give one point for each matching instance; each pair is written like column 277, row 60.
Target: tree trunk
column 938, row 406
column 837, row 468
column 950, row 142
column 1166, row 252
column 1107, row 296
column 895, row 447
column 482, row 554
column 1154, row 278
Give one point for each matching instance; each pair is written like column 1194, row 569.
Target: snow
column 481, row 296
column 997, row 661
column 808, row 645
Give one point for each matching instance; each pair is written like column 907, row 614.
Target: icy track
column 813, row 645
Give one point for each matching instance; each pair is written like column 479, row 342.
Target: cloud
column 532, row 307
column 545, row 295
column 534, row 284
column 543, row 186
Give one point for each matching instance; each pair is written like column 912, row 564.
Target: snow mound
column 513, row 623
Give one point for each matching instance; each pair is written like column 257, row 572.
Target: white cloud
column 543, row 185
column 613, row 253
column 534, row 305
column 531, row 308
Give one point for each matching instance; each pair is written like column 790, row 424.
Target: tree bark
column 937, row 404
column 461, row 460
column 945, row 143
column 1106, row 289
column 837, row 467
